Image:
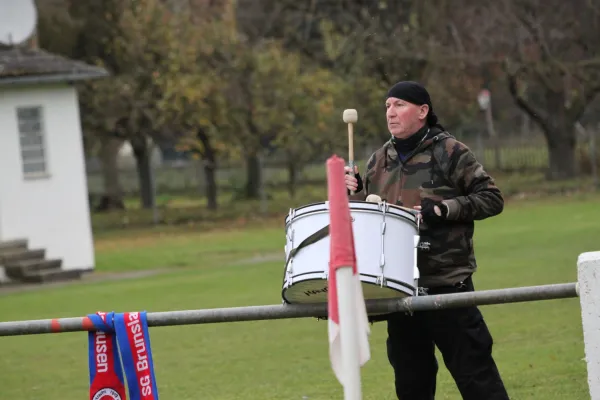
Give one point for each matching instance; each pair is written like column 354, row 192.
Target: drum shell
column 383, row 234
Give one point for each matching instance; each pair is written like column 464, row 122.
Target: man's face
column 404, row 118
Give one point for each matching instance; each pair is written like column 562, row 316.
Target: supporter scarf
column 121, row 337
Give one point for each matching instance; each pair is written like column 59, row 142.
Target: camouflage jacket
column 443, row 169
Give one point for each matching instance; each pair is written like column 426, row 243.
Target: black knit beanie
column 415, row 93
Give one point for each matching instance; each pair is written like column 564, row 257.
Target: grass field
column 538, row 346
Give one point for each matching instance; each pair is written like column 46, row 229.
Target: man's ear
column 424, row 111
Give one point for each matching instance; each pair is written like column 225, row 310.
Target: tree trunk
column 561, row 150
column 211, row 185
column 142, row 155
column 253, row 176
column 113, row 193
column 210, row 168
column 560, row 133
column 558, row 124
column 292, row 178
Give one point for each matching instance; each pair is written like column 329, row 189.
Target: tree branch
column 537, row 115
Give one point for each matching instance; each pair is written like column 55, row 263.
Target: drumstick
column 350, row 116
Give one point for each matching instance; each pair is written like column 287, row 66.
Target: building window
column 31, row 138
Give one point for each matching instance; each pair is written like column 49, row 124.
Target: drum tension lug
column 424, row 246
column 290, row 273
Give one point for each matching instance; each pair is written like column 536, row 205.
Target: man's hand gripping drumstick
column 350, row 116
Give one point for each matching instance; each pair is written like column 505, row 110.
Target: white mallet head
column 373, row 198
column 350, row 116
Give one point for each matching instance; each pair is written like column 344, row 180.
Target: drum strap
column 311, row 239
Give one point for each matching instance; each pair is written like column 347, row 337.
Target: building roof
column 25, row 65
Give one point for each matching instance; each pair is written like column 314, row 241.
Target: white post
column 349, row 333
column 588, row 277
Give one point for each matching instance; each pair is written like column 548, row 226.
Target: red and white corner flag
column 347, row 314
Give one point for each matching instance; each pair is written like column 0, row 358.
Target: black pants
column 464, row 341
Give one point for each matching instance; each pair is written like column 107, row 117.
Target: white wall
column 51, row 212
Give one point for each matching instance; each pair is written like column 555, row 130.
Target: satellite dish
column 18, row 19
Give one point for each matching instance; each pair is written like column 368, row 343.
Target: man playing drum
column 425, row 168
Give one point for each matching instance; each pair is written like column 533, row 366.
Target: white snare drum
column 385, row 239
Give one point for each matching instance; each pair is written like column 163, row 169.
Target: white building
column 45, row 228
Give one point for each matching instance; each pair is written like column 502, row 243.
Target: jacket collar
column 435, row 133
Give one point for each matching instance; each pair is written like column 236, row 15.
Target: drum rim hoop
column 397, row 282
column 397, row 211
column 410, row 287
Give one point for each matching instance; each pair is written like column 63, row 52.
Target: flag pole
column 348, row 333
column 347, row 316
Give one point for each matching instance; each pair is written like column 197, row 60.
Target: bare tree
column 548, row 51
